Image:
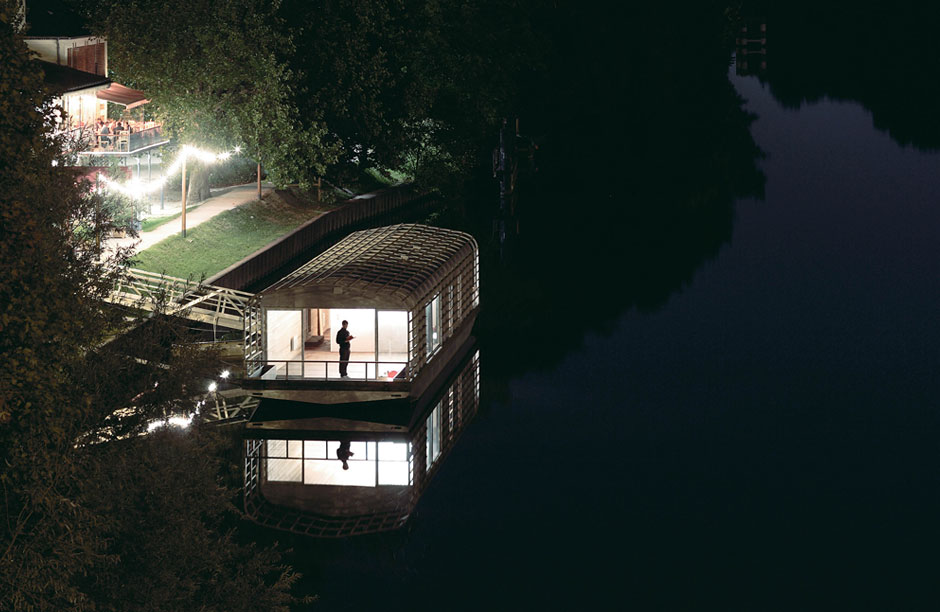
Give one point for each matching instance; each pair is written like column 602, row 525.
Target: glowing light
column 137, row 189
column 213, row 386
column 181, row 421
column 225, row 374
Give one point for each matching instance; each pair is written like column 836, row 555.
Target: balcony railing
column 123, row 142
column 326, row 370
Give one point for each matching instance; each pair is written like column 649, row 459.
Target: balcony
column 138, row 136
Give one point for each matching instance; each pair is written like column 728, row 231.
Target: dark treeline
column 644, row 147
column 882, row 56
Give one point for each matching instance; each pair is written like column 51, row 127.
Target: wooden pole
column 259, row 180
column 97, row 215
column 184, row 198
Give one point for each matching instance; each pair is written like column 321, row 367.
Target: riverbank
column 227, row 235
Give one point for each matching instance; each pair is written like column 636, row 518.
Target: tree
column 65, row 519
column 311, row 87
column 217, row 76
column 400, row 80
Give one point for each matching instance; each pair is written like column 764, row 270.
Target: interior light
column 213, row 386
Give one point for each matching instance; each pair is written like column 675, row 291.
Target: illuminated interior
column 316, row 462
column 301, row 342
column 83, row 109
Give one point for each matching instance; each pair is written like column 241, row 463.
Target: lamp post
column 184, row 197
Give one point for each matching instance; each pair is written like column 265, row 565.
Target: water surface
column 747, row 423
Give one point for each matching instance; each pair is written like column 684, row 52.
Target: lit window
column 433, row 314
column 434, row 436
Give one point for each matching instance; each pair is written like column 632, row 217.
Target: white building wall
column 284, row 338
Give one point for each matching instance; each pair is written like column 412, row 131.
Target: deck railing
column 121, row 142
column 326, row 370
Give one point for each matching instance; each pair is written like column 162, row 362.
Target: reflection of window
column 315, row 462
column 288, row 468
column 433, row 314
column 393, row 463
column 434, row 436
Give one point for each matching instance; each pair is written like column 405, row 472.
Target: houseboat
column 344, row 443
column 409, row 294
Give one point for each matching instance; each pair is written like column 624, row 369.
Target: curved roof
column 386, row 267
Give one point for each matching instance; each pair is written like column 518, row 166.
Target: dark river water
column 728, row 405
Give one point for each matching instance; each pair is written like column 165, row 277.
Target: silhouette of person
column 342, row 339
column 343, row 454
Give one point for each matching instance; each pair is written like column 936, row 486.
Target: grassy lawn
column 152, row 223
column 227, row 238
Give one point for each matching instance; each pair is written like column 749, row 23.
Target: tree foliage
column 321, row 86
column 216, row 74
column 400, row 79
column 81, row 526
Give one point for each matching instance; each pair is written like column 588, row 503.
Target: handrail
column 182, row 297
column 295, row 369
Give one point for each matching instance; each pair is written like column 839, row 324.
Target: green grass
column 226, row 238
column 152, row 223
column 386, row 178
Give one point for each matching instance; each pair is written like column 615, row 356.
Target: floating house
column 351, row 469
column 410, row 294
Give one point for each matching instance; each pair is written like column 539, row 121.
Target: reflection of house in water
column 294, row 476
column 751, row 43
column 411, row 295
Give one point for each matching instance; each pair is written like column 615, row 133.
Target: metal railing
column 326, row 370
column 183, row 298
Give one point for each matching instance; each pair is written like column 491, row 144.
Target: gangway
column 179, row 297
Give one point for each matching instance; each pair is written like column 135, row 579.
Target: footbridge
column 182, row 298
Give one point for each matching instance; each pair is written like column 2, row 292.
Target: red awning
column 125, row 96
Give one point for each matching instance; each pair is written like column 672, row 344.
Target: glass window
column 394, row 467
column 295, row 449
column 277, row 448
column 315, row 449
column 434, row 436
column 433, row 314
column 393, row 472
column 285, row 470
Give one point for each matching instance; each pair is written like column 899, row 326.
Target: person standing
column 342, row 340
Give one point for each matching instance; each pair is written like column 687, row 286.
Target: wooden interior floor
column 324, row 363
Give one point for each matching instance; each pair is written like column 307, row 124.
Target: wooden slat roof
column 386, row 267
